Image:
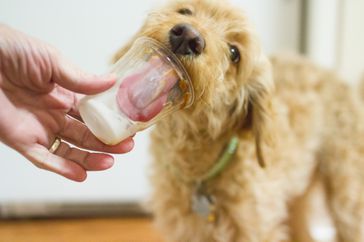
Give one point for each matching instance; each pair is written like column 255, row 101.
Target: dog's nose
column 186, row 40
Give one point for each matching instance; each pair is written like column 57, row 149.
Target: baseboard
column 70, row 210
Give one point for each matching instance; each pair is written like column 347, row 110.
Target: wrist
column 3, row 33
column 6, row 33
column 2, row 44
column 3, row 27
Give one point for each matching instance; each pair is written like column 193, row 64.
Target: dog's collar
column 225, row 158
column 203, row 203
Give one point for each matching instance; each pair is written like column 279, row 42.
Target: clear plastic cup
column 151, row 83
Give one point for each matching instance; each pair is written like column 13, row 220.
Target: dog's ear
column 259, row 114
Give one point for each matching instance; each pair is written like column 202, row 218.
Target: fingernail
column 130, row 145
column 108, row 162
column 127, row 145
column 81, row 177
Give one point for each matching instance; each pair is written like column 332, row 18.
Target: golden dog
column 235, row 165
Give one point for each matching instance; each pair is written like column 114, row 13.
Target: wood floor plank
column 79, row 230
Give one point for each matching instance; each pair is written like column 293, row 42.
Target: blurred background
column 89, row 32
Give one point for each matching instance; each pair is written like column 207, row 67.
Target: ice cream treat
column 143, row 94
column 151, row 83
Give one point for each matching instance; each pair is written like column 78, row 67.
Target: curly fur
column 298, row 118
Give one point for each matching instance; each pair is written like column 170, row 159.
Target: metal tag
column 201, row 205
column 204, row 205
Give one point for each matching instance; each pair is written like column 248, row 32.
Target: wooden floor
column 79, row 230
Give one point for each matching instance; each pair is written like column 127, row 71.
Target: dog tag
column 204, row 206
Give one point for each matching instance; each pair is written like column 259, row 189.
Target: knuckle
column 86, row 138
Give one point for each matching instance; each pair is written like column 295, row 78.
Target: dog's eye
column 185, row 11
column 234, row 54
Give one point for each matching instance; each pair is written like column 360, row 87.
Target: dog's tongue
column 142, row 94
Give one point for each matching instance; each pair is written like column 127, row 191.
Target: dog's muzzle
column 186, row 40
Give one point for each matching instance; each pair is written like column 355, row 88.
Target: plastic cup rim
column 175, row 62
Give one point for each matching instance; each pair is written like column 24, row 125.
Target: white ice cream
column 147, row 88
column 102, row 117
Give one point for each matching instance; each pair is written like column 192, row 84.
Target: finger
column 78, row 134
column 89, row 161
column 74, row 79
column 74, row 112
column 42, row 158
column 75, row 115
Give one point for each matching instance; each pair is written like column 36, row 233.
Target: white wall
column 322, row 25
column 351, row 48
column 335, row 36
column 88, row 32
column 277, row 23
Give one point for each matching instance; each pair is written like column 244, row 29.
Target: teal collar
column 203, row 202
column 224, row 160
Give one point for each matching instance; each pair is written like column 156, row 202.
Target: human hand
column 39, row 93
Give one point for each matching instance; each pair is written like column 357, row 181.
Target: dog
column 237, row 165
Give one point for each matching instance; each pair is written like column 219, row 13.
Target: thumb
column 74, row 79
